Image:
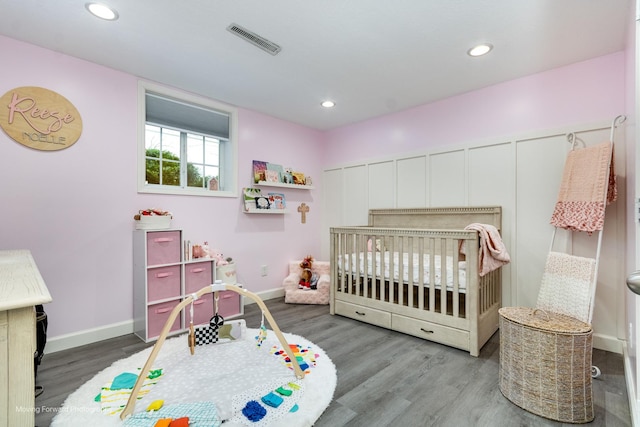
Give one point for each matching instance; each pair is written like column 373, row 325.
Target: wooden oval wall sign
column 40, row 118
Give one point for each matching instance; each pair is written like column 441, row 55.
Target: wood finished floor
column 384, row 378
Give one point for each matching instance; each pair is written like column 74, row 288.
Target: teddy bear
column 308, row 279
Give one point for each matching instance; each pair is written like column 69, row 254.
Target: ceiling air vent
column 254, row 39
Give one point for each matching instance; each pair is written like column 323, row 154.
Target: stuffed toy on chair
column 308, row 279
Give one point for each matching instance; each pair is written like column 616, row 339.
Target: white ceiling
column 372, row 57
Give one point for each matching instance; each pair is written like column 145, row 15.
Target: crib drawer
column 364, row 314
column 431, row 331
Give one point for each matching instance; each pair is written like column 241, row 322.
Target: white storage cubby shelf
column 162, row 279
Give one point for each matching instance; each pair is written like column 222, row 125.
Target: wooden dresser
column 21, row 288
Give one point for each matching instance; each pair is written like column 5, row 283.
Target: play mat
column 236, row 383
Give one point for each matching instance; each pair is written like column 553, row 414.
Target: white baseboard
column 266, row 295
column 89, row 336
column 607, row 343
column 634, row 405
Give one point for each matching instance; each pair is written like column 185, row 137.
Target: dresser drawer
column 157, row 315
column 443, row 334
column 197, row 275
column 163, row 247
column 364, row 314
column 163, row 282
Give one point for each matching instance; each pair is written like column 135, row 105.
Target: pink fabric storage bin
column 163, row 247
column 157, row 315
column 197, row 275
column 202, row 310
column 163, row 282
column 228, row 303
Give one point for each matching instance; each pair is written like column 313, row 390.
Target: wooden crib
column 381, row 274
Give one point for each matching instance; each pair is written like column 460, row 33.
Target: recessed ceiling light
column 479, row 50
column 102, row 11
column 328, row 104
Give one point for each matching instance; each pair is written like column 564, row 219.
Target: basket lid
column 545, row 320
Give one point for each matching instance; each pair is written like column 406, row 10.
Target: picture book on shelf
column 262, row 202
column 250, row 195
column 259, row 168
column 277, row 200
column 271, row 176
column 275, row 167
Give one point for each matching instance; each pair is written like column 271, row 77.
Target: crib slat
column 412, row 272
column 392, row 265
column 421, row 273
column 432, row 275
column 374, row 266
column 362, row 249
column 401, row 254
column 443, row 277
column 453, row 247
column 382, row 289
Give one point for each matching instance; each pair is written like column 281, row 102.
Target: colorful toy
column 254, row 411
column 151, row 212
column 262, row 332
column 308, row 279
column 155, row 405
column 272, row 400
column 180, row 422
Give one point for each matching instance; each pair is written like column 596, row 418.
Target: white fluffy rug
column 227, row 374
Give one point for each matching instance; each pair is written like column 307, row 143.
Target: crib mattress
column 355, row 264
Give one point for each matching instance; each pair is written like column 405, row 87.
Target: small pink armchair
column 293, row 295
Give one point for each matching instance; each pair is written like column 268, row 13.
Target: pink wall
column 580, row 93
column 73, row 208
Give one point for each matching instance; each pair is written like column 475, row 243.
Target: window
column 187, row 144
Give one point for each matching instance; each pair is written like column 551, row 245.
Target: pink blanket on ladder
column 586, row 179
column 493, row 253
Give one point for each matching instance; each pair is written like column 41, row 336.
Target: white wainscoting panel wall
column 412, row 182
column 521, row 174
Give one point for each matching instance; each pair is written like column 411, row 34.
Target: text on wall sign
column 40, row 118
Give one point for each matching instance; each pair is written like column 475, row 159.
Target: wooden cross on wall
column 303, row 209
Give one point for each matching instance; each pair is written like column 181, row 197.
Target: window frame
column 229, row 151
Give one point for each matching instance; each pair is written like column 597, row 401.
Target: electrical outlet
column 264, row 270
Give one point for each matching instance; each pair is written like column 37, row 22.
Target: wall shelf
column 266, row 211
column 283, row 185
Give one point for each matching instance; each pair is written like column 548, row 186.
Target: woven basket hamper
column 545, row 363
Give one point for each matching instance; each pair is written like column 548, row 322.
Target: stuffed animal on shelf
column 308, row 279
column 220, row 259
